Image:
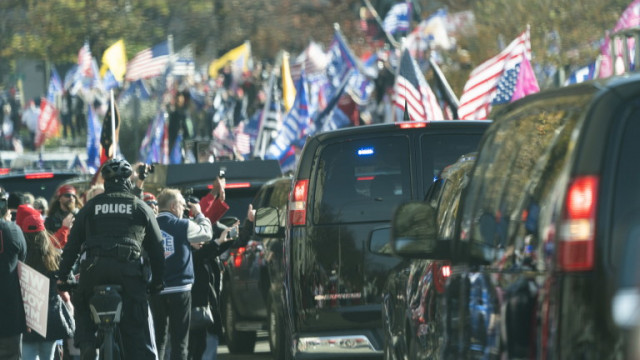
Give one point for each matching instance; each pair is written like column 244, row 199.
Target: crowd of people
column 162, row 249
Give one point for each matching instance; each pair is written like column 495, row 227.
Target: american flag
column 148, row 62
column 482, row 86
column 84, row 61
column 411, row 90
column 397, row 18
column 242, row 140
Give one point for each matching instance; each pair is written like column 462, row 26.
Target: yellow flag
column 239, row 55
column 288, row 89
column 115, row 59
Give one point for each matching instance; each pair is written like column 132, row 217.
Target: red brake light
column 45, row 175
column 577, row 231
column 411, row 124
column 237, row 185
column 4, row 171
column 446, row 271
column 298, row 203
column 237, row 256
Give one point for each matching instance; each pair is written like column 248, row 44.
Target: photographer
column 203, row 342
column 142, row 171
column 172, row 307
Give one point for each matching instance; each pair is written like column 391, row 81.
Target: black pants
column 135, row 328
column 172, row 311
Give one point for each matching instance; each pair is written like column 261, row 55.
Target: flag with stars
column 516, row 83
column 481, row 89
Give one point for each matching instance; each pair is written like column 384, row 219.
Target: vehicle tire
column 238, row 342
column 276, row 331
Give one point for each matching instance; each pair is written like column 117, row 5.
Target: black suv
column 346, row 186
column 253, row 276
column 413, row 303
column 545, row 254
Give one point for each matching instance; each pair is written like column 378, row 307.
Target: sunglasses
column 67, row 195
column 152, row 203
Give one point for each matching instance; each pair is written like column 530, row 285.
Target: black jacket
column 206, row 286
column 12, row 248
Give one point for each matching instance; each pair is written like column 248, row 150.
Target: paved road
column 261, row 350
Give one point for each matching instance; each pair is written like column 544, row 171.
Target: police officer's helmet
column 116, row 169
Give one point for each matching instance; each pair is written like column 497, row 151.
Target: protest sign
column 35, row 295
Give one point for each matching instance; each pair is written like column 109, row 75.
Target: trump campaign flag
column 397, row 18
column 297, row 124
column 148, row 62
column 482, row 86
column 412, row 93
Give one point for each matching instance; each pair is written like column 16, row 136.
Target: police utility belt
column 118, row 251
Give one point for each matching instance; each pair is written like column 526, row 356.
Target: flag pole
column 373, row 11
column 113, row 125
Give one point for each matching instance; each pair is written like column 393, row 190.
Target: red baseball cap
column 148, row 197
column 66, row 189
column 29, row 219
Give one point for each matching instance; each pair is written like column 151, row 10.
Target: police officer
column 113, row 229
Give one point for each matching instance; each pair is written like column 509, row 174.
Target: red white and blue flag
column 483, row 85
column 148, row 62
column 296, row 126
column 397, row 18
column 84, row 61
column 413, row 94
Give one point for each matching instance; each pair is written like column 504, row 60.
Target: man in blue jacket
column 12, row 320
column 174, row 302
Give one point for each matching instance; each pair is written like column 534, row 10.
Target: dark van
column 345, row 188
column 548, row 230
column 413, row 311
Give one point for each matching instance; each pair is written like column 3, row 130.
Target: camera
column 233, row 233
column 192, row 199
column 144, row 170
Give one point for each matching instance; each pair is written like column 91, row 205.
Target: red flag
column 47, row 122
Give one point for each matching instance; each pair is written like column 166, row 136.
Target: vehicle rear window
column 625, row 244
column 362, row 180
column 441, row 150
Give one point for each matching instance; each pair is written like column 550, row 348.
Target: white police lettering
column 113, row 209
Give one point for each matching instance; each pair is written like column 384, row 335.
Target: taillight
column 44, row 175
column 237, row 256
column 446, row 271
column 410, row 125
column 576, row 245
column 298, row 203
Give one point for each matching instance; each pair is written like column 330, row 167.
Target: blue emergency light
column 366, row 151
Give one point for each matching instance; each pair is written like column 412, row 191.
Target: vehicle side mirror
column 268, row 222
column 380, row 241
column 414, row 233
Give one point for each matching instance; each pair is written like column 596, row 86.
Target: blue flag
column 296, row 126
column 176, row 153
column 151, row 148
column 94, row 129
column 582, row 74
column 55, row 85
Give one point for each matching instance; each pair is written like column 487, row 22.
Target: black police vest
column 112, row 229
